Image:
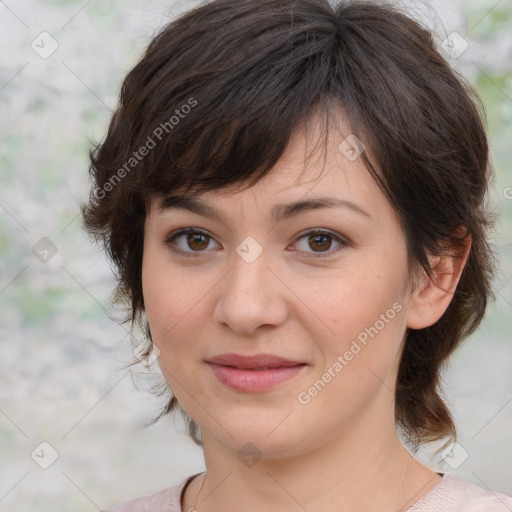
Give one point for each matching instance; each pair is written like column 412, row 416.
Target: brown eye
column 195, row 241
column 320, row 241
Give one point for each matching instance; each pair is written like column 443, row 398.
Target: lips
column 254, row 362
column 256, row 373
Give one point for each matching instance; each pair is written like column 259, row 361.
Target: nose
column 251, row 295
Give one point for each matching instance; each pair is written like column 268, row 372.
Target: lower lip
column 254, row 380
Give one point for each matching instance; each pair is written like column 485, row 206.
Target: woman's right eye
column 196, row 237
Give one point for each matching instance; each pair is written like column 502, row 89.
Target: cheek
column 363, row 310
column 360, row 356
column 357, row 300
column 166, row 307
column 175, row 307
column 165, row 297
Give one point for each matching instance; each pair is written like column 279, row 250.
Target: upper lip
column 254, row 361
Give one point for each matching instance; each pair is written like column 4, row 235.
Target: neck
column 351, row 472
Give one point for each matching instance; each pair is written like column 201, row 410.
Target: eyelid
column 342, row 241
column 184, row 231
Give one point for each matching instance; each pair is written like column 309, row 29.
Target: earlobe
column 432, row 296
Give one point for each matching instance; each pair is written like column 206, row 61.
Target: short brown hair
column 219, row 92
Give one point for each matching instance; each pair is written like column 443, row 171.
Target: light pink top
column 451, row 494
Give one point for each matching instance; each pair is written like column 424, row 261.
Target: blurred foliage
column 487, row 19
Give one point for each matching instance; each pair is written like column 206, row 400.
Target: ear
column 432, row 297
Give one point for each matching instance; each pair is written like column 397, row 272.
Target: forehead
column 321, row 162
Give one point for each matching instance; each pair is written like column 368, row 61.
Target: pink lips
column 253, row 373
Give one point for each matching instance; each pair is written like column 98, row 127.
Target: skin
column 340, row 451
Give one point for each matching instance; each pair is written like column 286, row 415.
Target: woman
column 293, row 196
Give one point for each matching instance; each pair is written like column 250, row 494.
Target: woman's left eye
column 197, row 239
column 320, row 239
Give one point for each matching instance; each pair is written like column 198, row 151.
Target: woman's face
column 248, row 284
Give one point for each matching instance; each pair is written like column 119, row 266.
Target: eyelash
column 194, row 254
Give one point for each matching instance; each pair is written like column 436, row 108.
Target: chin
column 261, row 439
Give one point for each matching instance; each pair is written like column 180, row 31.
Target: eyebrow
column 279, row 212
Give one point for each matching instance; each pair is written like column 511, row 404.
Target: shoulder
column 166, row 500
column 477, row 499
column 454, row 494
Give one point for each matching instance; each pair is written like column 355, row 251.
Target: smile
column 254, row 379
